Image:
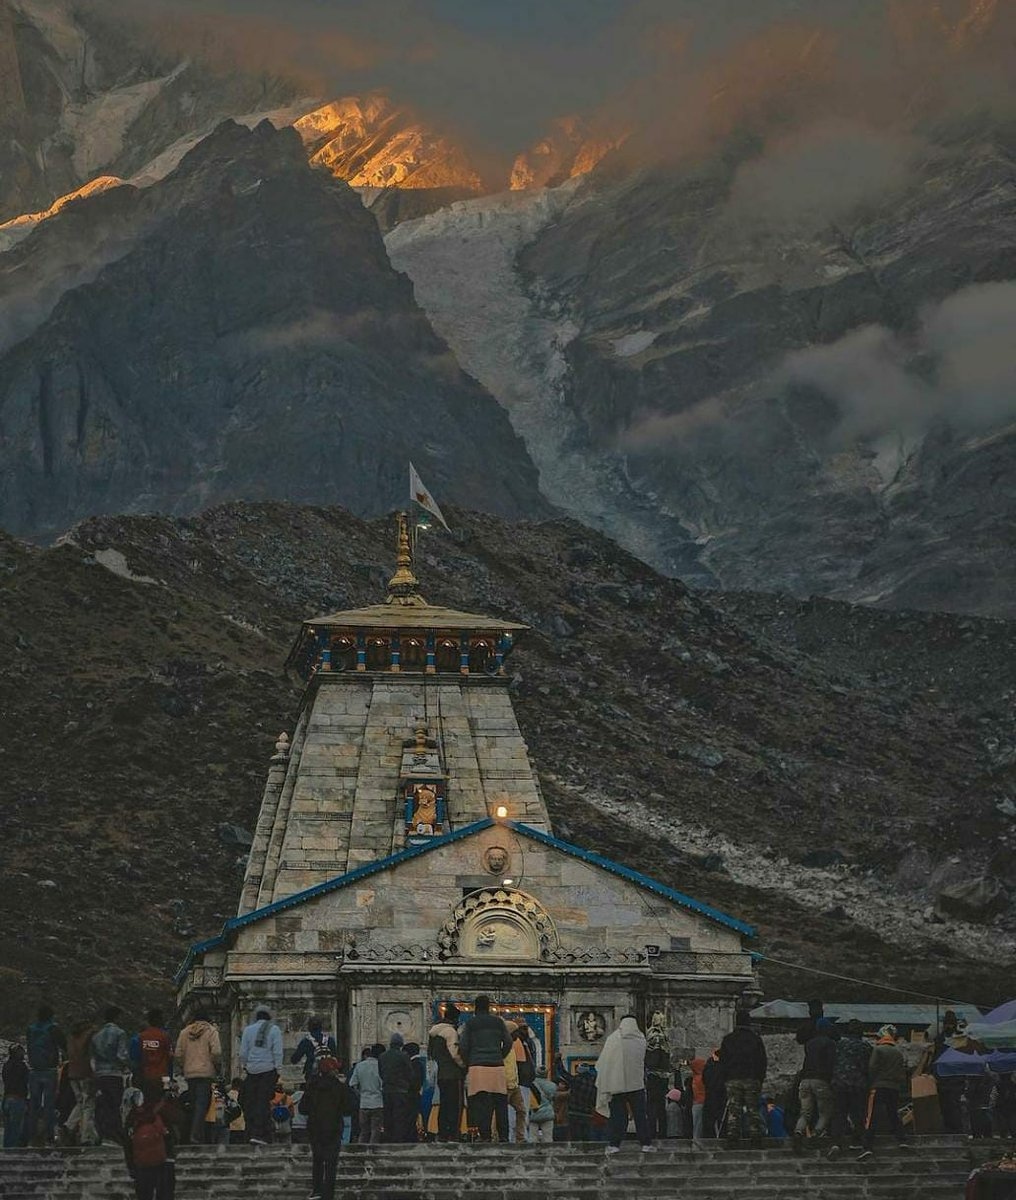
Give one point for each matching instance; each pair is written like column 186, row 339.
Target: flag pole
column 411, row 516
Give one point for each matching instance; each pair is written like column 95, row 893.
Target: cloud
column 820, row 175
column 687, row 74
column 959, row 366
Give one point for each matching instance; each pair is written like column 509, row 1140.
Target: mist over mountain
column 744, row 294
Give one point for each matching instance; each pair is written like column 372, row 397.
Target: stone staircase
column 934, row 1169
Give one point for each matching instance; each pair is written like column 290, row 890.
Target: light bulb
column 501, row 811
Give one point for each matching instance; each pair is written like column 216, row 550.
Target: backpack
column 321, row 1050
column 148, row 1143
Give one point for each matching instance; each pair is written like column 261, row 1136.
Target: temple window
column 447, row 655
column 343, row 654
column 414, row 654
column 480, row 655
column 378, row 654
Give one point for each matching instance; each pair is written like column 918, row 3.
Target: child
column 282, row 1115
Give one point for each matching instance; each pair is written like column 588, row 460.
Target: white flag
column 422, row 497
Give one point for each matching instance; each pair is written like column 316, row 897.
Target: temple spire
column 404, row 587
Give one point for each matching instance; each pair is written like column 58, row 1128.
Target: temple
column 404, row 857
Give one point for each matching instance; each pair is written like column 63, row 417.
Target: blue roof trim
column 411, row 852
column 329, row 885
column 652, row 885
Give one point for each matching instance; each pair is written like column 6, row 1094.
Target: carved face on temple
column 496, row 860
column 591, row 1026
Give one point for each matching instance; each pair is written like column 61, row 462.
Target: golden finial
column 403, row 587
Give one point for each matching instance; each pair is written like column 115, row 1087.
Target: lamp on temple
column 501, row 812
column 507, row 882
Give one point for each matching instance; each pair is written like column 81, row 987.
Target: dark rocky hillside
column 827, row 774
column 233, row 332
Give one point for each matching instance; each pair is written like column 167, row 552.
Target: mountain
column 84, row 92
column 756, row 369
column 235, row 330
column 372, row 143
column 569, row 148
column 833, row 773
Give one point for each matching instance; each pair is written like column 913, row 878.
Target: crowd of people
column 478, row 1078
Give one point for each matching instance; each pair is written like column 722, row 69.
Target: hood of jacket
column 629, row 1027
column 196, row 1029
column 442, row 1029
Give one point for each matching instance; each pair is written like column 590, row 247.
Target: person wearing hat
column 887, row 1082
column 399, row 1090
column 261, row 1058
column 326, row 1102
column 443, row 1049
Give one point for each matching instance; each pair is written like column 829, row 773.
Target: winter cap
column 264, row 1011
column 328, row 1064
column 396, row 1040
column 451, row 1013
column 675, row 1095
column 888, row 1031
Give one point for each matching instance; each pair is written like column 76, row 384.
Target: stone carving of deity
column 425, row 807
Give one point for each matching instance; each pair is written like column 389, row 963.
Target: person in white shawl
column 621, row 1084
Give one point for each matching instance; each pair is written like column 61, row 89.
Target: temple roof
column 393, row 860
column 423, row 616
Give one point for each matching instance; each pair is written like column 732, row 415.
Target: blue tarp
column 956, row 1062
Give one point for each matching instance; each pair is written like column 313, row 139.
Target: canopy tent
column 997, row 1029
column 959, row 1062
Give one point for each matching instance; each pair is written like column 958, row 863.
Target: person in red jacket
column 152, row 1049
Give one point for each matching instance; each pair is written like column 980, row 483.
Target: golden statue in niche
column 425, row 808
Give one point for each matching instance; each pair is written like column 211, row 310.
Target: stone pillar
column 266, row 822
column 325, row 648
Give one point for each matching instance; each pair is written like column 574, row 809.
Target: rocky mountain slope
column 667, row 336
column 830, row 774
column 233, row 331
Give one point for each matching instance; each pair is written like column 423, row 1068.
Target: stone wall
column 337, row 807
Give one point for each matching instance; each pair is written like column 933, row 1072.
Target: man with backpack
column 199, row 1053
column 443, row 1050
column 152, row 1049
column 110, row 1053
column 314, row 1047
column 327, row 1101
column 147, row 1136
column 45, row 1046
column 261, row 1058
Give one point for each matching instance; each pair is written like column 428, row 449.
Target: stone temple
column 404, row 857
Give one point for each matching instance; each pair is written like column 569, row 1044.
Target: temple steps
column 935, row 1169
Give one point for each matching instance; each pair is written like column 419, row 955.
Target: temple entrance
column 541, row 1018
